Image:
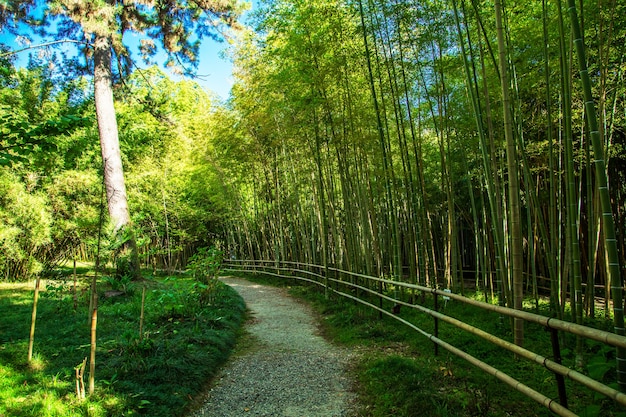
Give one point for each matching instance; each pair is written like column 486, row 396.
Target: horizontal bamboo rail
column 549, row 323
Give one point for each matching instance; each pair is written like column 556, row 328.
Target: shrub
column 25, row 227
column 204, row 266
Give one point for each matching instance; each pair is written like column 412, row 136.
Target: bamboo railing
column 334, row 284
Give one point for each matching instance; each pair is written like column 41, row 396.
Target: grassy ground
column 398, row 374
column 182, row 344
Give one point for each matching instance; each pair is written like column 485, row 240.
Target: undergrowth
column 397, row 372
column 155, row 373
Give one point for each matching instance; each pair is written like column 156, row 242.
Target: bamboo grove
column 446, row 143
column 457, row 144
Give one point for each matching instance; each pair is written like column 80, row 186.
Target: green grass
column 182, row 345
column 398, row 374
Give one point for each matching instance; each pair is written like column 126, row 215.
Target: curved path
column 288, row 369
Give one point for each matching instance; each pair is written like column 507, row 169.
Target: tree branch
column 42, row 46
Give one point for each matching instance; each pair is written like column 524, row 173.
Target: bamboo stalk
column 608, row 223
column 517, row 261
column 33, row 320
column 92, row 354
column 74, row 295
column 80, row 382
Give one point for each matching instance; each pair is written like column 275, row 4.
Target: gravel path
column 288, row 369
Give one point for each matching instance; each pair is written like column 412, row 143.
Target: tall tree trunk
column 571, row 213
column 109, row 143
column 517, row 261
column 608, row 222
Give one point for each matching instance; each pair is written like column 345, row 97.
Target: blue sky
column 214, row 71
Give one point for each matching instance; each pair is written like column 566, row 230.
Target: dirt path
column 288, row 369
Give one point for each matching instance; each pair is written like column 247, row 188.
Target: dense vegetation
column 372, row 134
column 157, row 369
column 362, row 134
column 378, row 137
column 460, row 143
column 52, row 189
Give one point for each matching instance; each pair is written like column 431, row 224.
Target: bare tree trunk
column 109, row 142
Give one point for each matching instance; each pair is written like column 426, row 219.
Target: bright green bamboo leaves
column 491, row 188
column 399, row 159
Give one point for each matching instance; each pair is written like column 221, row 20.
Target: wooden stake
column 74, row 288
column 80, row 382
column 92, row 358
column 31, row 340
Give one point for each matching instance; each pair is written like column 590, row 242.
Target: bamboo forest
column 476, row 147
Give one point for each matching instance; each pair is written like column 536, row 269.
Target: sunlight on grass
column 16, row 294
column 130, row 372
column 111, row 402
column 15, row 287
column 37, row 363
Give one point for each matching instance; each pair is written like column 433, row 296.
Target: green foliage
column 155, row 374
column 204, row 267
column 205, row 264
column 59, row 290
column 177, row 200
column 402, row 386
column 122, row 283
column 172, row 300
column 25, row 227
column 601, row 363
column 36, row 113
column 43, row 122
column 74, row 207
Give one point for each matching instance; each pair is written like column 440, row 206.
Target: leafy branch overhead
column 19, row 138
column 177, row 26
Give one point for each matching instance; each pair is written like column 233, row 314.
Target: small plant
column 171, row 300
column 58, row 290
column 122, row 284
column 204, row 266
column 601, row 363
